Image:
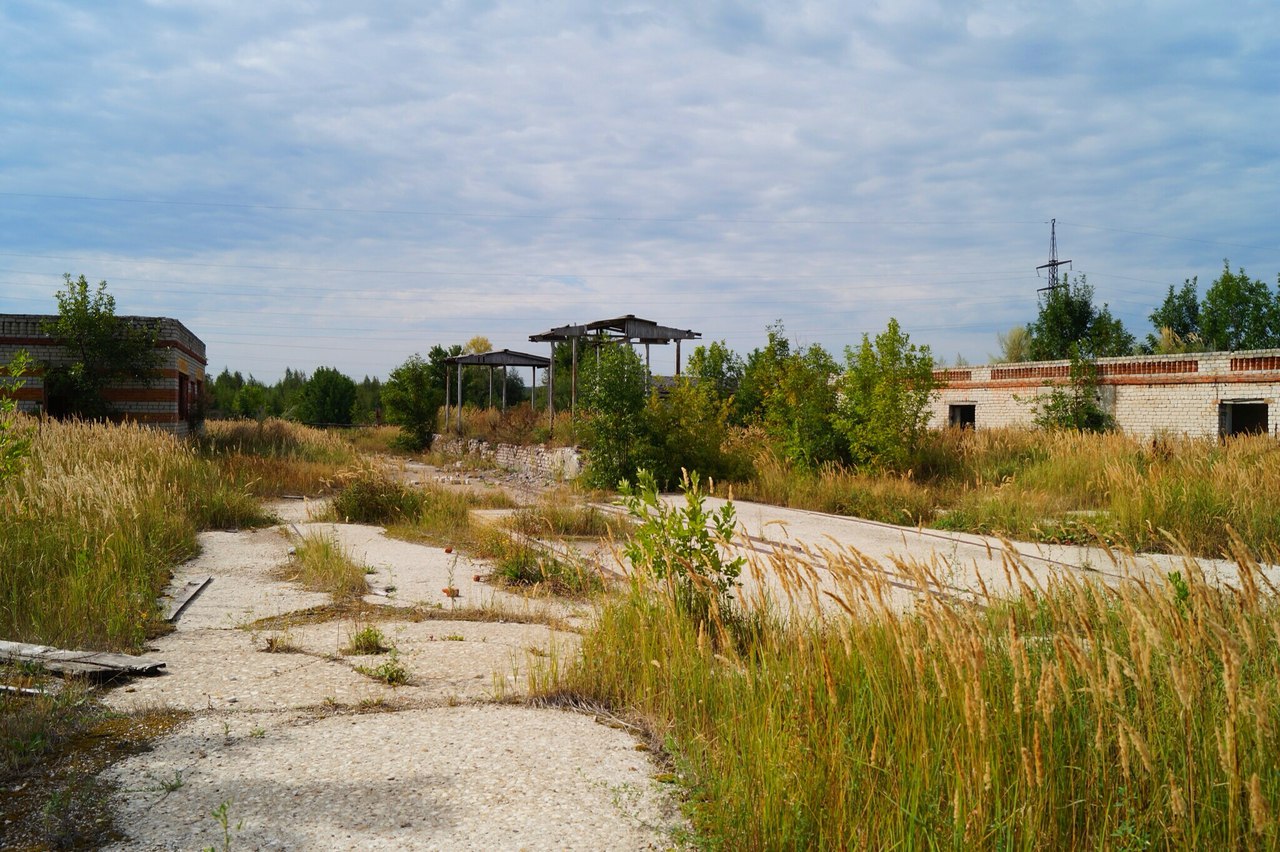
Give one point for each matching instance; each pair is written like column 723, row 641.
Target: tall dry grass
column 1058, row 486
column 319, row 562
column 519, row 424
column 91, row 525
column 1141, row 716
column 276, row 456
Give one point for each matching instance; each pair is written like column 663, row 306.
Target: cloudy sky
column 304, row 185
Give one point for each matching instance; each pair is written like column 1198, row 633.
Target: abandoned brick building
column 1203, row 394
column 171, row 401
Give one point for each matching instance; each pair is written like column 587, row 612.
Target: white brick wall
column 1147, row 395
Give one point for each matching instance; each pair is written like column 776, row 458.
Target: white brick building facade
column 1203, row 394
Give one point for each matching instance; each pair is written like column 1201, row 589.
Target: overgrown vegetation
column 276, row 456
column 559, row 515
column 320, row 563
column 1058, row 486
column 1075, row 404
column 104, row 351
column 1082, row 717
column 413, row 402
column 15, row 434
column 680, row 546
column 90, row 525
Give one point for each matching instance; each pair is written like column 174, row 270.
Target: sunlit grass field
column 1080, row 716
column 1059, row 486
column 1138, row 716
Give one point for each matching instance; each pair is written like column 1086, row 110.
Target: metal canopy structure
column 629, row 329
column 503, row 358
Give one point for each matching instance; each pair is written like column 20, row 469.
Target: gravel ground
column 306, row 752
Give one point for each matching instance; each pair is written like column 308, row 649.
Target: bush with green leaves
column 883, row 406
column 103, row 350
column 682, row 546
column 412, row 400
column 15, row 440
column 1076, row 404
column 614, row 390
column 798, row 409
column 688, row 430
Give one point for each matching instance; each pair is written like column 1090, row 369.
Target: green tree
column 223, row 390
column 613, row 396
column 251, row 400
column 15, row 441
column 761, row 372
column 412, row 401
column 1176, row 321
column 717, row 368
column 368, row 407
column 1239, row 313
column 103, row 350
column 327, row 399
column 1077, row 404
column 798, row 408
column 883, row 407
column 687, row 428
column 1067, row 317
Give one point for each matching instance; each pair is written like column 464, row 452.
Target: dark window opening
column 1242, row 418
column 963, row 416
column 182, row 396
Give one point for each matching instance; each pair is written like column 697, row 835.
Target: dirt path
column 296, row 749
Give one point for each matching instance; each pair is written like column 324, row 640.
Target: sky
column 311, row 183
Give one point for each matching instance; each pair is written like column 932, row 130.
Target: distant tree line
column 411, row 397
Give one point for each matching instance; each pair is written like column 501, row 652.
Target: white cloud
column 709, row 166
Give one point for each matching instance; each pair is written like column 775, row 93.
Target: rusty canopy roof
column 630, row 328
column 501, row 358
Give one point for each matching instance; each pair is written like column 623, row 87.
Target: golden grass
column 91, row 524
column 276, row 456
column 1079, row 717
column 373, row 439
column 1058, row 486
column 519, row 424
column 320, row 563
column 558, row 514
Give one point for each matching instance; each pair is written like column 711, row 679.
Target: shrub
column 413, row 401
column 368, row 497
column 613, row 402
column 883, row 407
column 1075, row 405
column 682, row 546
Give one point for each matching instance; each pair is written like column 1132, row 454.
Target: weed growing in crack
column 390, row 671
column 367, row 640
column 222, row 814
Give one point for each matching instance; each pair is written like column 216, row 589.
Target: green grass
column 558, row 515
column 1081, row 718
column 390, row 671
column 91, row 525
column 320, row 563
column 1058, row 486
column 524, row 565
column 367, row 640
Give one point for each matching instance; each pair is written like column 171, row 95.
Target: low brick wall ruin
column 560, row 463
column 1148, row 395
